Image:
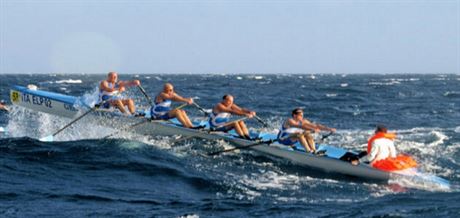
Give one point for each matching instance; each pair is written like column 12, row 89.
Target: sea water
column 130, row 175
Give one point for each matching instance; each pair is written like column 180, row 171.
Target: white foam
column 331, row 95
column 394, row 82
column 344, row 85
column 258, row 77
column 457, row 129
column 70, row 81
column 239, row 77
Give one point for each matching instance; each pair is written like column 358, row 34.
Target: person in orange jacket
column 382, row 152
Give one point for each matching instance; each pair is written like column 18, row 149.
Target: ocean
column 82, row 175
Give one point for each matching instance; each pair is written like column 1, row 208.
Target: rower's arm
column 129, row 83
column 177, row 97
column 105, row 86
column 308, row 126
column 325, row 128
column 239, row 111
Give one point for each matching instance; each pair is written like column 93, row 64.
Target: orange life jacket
column 399, row 162
column 379, row 135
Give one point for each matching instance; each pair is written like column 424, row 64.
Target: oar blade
column 49, row 138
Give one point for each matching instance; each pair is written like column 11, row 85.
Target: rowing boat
column 70, row 106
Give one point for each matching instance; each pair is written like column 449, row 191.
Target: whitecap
column 258, row 77
column 330, row 95
column 344, row 84
column 69, row 81
column 239, row 77
column 385, row 83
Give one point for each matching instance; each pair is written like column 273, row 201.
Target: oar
column 261, row 121
column 180, row 106
column 146, row 95
column 50, row 138
column 206, row 113
column 325, row 136
column 243, row 147
column 230, row 122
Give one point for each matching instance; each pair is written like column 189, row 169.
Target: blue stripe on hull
column 51, row 95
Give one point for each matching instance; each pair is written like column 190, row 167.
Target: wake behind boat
column 71, row 106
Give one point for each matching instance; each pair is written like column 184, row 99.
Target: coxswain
column 382, row 152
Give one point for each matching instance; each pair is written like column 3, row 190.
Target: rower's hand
column 189, row 100
column 121, row 89
column 136, row 82
column 317, row 130
column 332, row 130
column 251, row 114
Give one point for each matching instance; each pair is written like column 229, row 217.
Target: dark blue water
column 82, row 175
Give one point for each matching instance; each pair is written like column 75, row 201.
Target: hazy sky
column 143, row 36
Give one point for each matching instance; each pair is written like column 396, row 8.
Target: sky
column 257, row 37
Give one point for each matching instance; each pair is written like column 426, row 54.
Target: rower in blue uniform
column 220, row 117
column 161, row 110
column 109, row 90
column 297, row 129
column 3, row 106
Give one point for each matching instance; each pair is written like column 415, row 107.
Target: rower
column 297, row 128
column 110, row 88
column 220, row 117
column 3, row 106
column 161, row 110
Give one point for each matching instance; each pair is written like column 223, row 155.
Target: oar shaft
column 180, row 106
column 260, row 120
column 200, row 108
column 75, row 120
column 242, row 147
column 231, row 122
column 145, row 94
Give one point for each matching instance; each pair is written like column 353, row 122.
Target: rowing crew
column 381, row 152
column 293, row 129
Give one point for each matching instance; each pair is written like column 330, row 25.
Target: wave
column 452, row 94
column 69, row 81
